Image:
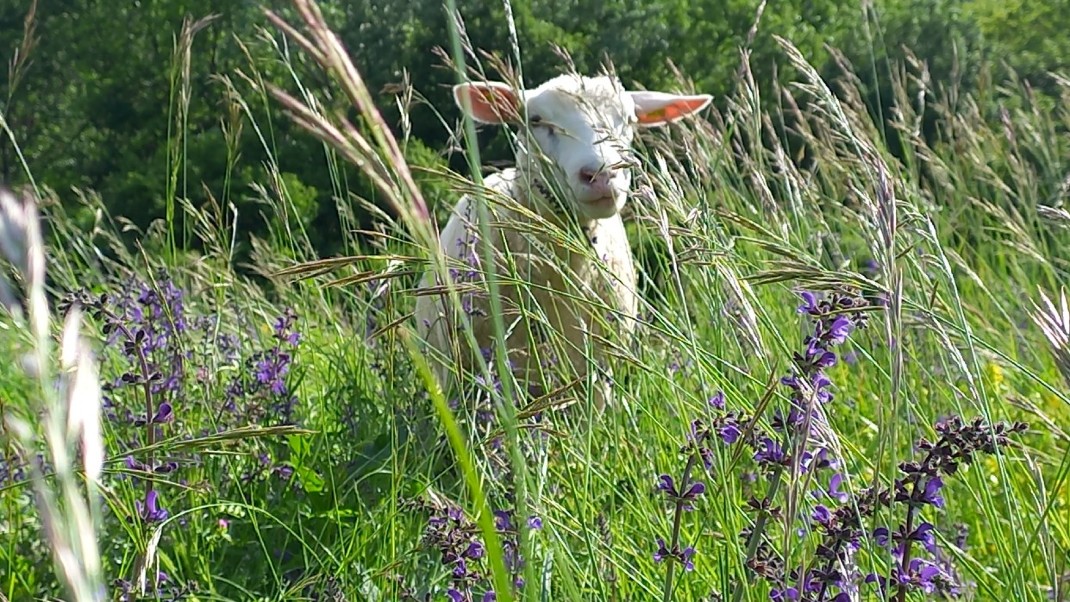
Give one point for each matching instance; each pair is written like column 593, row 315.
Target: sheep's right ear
column 654, row 109
column 488, row 102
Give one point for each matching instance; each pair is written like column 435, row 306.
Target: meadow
column 851, row 381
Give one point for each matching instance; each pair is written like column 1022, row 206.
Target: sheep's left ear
column 658, row 108
column 488, row 102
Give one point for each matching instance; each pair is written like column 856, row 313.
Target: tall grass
column 312, row 455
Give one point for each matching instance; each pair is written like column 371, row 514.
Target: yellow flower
column 995, row 374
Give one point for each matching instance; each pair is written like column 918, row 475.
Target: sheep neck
column 544, row 199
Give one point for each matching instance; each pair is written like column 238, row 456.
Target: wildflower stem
column 677, row 519
column 901, row 595
column 908, row 528
column 146, row 383
column 759, row 528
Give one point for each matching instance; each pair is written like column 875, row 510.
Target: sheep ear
column 488, row 102
column 658, row 108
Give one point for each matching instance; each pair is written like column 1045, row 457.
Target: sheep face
column 583, row 126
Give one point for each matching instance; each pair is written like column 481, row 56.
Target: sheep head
column 583, row 127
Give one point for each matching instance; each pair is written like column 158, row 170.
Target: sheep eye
column 536, row 122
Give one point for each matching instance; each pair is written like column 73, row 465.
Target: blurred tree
column 95, row 105
column 1029, row 37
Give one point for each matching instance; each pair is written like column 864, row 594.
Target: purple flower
column 662, row 552
column 730, row 433
column 924, row 534
column 686, row 556
column 822, row 515
column 283, row 328
column 839, row 329
column 666, row 484
column 834, row 489
column 931, row 495
column 150, row 511
column 882, row 536
column 717, row 401
column 770, row 453
column 271, row 369
column 164, row 413
column 809, row 305
column 474, row 551
column 783, row 595
column 683, row 556
column 502, row 521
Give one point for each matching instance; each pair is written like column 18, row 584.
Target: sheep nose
column 597, row 179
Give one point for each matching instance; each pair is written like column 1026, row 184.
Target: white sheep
column 572, row 174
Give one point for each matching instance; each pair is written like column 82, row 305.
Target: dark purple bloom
column 770, row 453
column 931, row 495
column 882, row 536
column 809, row 305
column 783, row 595
column 164, row 413
column 502, row 521
column 730, row 433
column 666, row 484
column 686, row 556
column 474, row 551
column 839, row 329
column 150, row 510
column 717, row 401
column 662, row 552
column 822, row 515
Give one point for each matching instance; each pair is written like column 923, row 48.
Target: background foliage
column 100, row 94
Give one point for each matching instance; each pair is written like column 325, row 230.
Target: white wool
column 584, row 290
